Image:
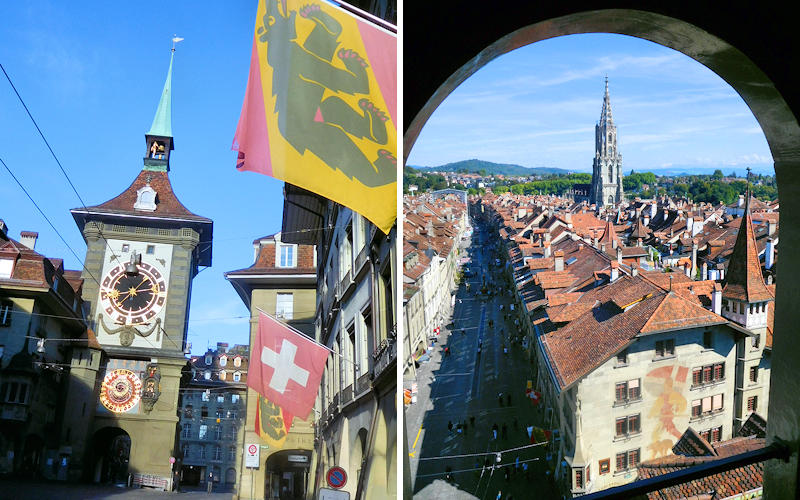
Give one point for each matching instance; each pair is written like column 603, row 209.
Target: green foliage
column 500, row 189
column 717, row 175
column 634, row 181
column 491, row 168
column 472, row 191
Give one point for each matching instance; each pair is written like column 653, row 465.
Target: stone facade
column 607, row 164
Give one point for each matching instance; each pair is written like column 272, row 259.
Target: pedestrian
column 494, row 431
column 508, row 399
column 446, row 351
column 450, row 426
column 499, row 495
column 500, row 399
column 505, row 431
column 464, row 425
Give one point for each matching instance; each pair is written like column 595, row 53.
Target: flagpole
column 298, row 332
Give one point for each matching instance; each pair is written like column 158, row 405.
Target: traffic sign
column 336, row 477
column 252, row 456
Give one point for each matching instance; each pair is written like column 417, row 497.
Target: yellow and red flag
column 272, row 424
column 320, row 109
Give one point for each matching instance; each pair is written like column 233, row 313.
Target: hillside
column 490, row 168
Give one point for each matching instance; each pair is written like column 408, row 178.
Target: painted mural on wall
column 666, row 384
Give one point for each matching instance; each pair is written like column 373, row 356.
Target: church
column 606, row 187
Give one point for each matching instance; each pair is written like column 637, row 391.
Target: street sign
column 172, row 460
column 336, row 477
column 298, row 459
column 327, row 494
column 252, row 455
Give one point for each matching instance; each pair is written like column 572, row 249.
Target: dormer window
column 223, row 360
column 237, row 376
column 287, row 255
column 208, row 359
column 6, row 266
column 237, row 361
column 145, row 199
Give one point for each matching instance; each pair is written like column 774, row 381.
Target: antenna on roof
column 670, row 283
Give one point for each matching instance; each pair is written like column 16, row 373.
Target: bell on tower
column 159, row 138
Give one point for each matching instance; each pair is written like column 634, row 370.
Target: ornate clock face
column 121, row 390
column 133, row 299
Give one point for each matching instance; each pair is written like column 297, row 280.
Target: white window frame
column 6, row 268
column 289, row 260
column 284, row 306
column 237, row 376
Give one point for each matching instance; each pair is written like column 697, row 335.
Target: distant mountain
column 475, row 166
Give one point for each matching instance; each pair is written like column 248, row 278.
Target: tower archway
column 737, row 44
column 109, row 454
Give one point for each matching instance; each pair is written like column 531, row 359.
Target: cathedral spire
column 605, row 115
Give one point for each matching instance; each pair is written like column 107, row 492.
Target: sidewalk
column 22, row 489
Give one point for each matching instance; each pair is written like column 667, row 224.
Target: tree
column 717, row 175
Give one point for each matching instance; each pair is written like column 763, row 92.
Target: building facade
column 355, row 318
column 283, row 283
column 212, row 413
column 607, row 164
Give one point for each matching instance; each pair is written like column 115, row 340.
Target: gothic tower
column 607, row 167
column 143, row 250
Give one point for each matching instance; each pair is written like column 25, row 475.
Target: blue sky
column 92, row 75
column 537, row 107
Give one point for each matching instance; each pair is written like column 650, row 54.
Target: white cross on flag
column 285, row 367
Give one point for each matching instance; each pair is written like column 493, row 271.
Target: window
column 208, row 359
column 5, row 312
column 185, row 449
column 237, row 376
column 628, row 425
column 756, row 340
column 189, row 411
column 202, row 452
column 217, row 433
column 627, row 459
column 6, row 266
column 205, row 395
column 605, row 466
column 151, row 249
column 14, row 392
column 716, row 434
column 232, row 414
column 204, row 412
column 237, row 361
column 126, row 247
column 223, row 360
column 707, row 405
column 578, row 478
column 753, row 374
column 207, row 375
column 708, row 342
column 220, row 413
column 220, row 398
column 223, row 375
column 622, row 358
column 665, row 348
column 231, row 454
column 284, row 306
column 287, row 256
column 628, row 391
column 234, row 398
column 217, row 453
column 203, row 432
column 752, row 403
column 708, row 374
column 187, row 431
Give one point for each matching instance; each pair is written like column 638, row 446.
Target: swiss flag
column 285, row 367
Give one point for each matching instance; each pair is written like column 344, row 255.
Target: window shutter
column 717, row 403
column 706, row 404
column 633, row 389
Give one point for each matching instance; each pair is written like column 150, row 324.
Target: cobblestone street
column 18, row 489
column 463, row 388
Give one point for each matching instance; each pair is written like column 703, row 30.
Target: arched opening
column 32, row 455
column 287, row 474
column 109, row 454
column 717, row 41
column 357, row 451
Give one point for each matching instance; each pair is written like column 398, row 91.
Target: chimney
column 614, row 271
column 769, row 254
column 547, row 236
column 559, row 260
column 740, row 203
column 634, row 269
column 603, row 247
column 721, row 270
column 619, row 255
column 653, row 209
column 594, row 239
column 666, row 213
column 3, row 228
column 646, row 220
column 547, row 249
column 771, row 226
column 222, row 347
column 705, row 271
column 28, row 238
column 716, row 299
column 694, row 258
column 568, row 218
column 580, row 246
column 689, row 224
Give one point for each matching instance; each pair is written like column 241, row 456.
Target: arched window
column 610, row 200
column 207, row 375
column 145, row 199
column 237, row 361
column 237, row 376
column 610, row 174
column 223, row 360
column 208, row 359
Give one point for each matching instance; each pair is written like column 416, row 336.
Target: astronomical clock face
column 133, row 298
column 121, row 390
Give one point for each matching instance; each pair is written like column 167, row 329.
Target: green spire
column 162, row 122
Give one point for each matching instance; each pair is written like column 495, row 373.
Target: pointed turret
column 159, row 138
column 743, row 281
column 605, row 114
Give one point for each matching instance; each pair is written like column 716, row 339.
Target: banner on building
column 320, row 109
column 272, row 424
column 285, row 367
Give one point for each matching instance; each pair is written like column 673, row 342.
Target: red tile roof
column 743, row 280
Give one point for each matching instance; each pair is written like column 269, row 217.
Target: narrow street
column 480, row 386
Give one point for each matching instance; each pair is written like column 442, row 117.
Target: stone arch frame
column 738, row 44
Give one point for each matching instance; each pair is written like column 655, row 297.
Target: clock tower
column 143, row 250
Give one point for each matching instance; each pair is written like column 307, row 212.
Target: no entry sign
column 336, row 477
